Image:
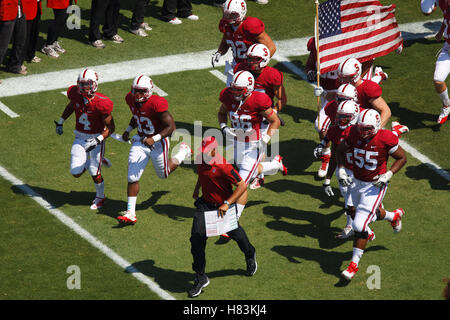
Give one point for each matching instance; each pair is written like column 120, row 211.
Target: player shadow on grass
column 422, row 171
column 330, row 262
column 298, row 113
column 413, row 119
column 319, row 227
column 175, row 281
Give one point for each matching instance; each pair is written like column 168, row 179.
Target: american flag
column 360, row 29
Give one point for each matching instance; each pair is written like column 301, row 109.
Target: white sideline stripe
column 173, row 63
column 424, row 159
column 8, row 111
column 219, row 75
column 85, row 235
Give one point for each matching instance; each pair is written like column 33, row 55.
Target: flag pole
column 317, row 55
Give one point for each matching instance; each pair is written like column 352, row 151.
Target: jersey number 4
column 366, row 159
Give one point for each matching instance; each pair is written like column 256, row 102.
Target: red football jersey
column 330, row 80
column 366, row 91
column 243, row 37
column 217, row 180
column 246, row 116
column 89, row 113
column 370, row 157
column 146, row 114
column 330, row 110
column 336, row 135
column 266, row 80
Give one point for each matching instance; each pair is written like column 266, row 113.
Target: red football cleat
column 350, row 272
column 97, row 203
column 127, row 218
column 282, row 166
column 397, row 221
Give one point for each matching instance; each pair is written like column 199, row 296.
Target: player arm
column 381, row 106
column 400, row 160
column 265, row 39
column 239, row 191
column 341, row 149
column 438, row 35
column 274, row 121
column 365, row 66
column 280, row 94
column 68, row 110
column 222, row 116
column 110, row 126
column 132, row 124
column 168, row 125
column 333, row 163
column 223, row 46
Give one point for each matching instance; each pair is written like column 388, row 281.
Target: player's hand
column 215, row 58
column 328, row 190
column 222, row 210
column 344, row 179
column 148, row 142
column 318, row 150
column 265, row 138
column 383, row 179
column 91, row 144
column 59, row 128
column 318, row 91
column 398, row 129
column 311, row 76
column 126, row 136
column 228, row 131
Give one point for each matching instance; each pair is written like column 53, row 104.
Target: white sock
column 131, row 206
column 444, row 97
column 239, row 208
column 180, row 156
column 100, row 189
column 389, row 216
column 270, row 168
column 326, row 151
column 357, row 254
column 349, row 220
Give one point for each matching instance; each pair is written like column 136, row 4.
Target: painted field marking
column 8, row 111
column 61, row 216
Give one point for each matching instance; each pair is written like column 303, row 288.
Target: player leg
column 349, row 208
column 370, row 198
column 78, row 158
column 441, row 72
column 95, row 166
column 164, row 165
column 394, row 217
column 321, row 125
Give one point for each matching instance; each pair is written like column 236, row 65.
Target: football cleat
column 324, row 166
column 279, row 159
column 444, row 114
column 97, row 203
column 347, row 232
column 371, row 237
column 257, row 183
column 184, row 146
column 379, row 72
column 127, row 218
column 351, row 271
column 106, row 162
column 397, row 221
column 398, row 128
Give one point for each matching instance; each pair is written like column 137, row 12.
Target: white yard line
column 8, row 111
column 61, row 216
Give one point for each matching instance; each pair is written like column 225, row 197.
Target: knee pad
column 361, row 235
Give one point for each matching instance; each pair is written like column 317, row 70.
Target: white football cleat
column 256, row 183
column 347, row 232
column 184, row 146
column 127, row 218
column 379, row 72
column 279, row 159
column 97, row 203
column 350, row 272
column 397, row 221
column 444, row 114
column 398, row 129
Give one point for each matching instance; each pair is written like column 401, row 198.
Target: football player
column 154, row 125
column 442, row 68
column 246, row 108
column 239, row 33
column 268, row 80
column 93, row 124
column 370, row 147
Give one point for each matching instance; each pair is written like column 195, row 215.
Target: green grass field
column 290, row 222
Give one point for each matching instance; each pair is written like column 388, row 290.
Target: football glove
column 215, row 58
column 59, row 128
column 318, row 150
column 266, row 138
column 311, row 76
column 383, row 179
column 228, row 131
column 327, row 188
column 91, row 144
column 344, row 179
column 318, row 91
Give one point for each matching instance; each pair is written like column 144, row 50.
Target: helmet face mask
column 87, row 83
column 258, row 56
column 234, row 11
column 242, row 85
column 367, row 131
column 369, row 123
column 347, row 114
column 239, row 93
column 346, row 92
column 142, row 88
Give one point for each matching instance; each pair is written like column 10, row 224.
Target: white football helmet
column 346, row 91
column 349, row 70
column 87, row 82
column 347, row 114
column 234, row 11
column 369, row 122
column 258, row 56
column 242, row 85
column 142, row 88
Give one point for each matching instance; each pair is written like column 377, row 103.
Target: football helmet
column 258, row 56
column 87, row 82
column 349, row 70
column 142, row 88
column 234, row 11
column 346, row 91
column 347, row 114
column 242, row 85
column 369, row 122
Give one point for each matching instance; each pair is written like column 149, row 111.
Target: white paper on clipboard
column 216, row 225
